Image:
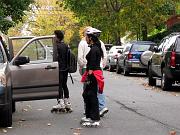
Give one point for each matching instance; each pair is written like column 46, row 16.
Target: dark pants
column 63, row 89
column 91, row 100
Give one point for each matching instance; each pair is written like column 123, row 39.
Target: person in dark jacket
column 94, row 79
column 62, row 58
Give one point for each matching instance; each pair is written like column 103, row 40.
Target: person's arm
column 104, row 53
column 81, row 61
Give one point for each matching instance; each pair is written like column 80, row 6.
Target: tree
column 49, row 15
column 115, row 17
column 11, row 12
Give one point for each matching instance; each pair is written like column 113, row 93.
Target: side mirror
column 21, row 60
column 119, row 51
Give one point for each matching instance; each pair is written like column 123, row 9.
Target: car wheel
column 126, row 73
column 111, row 68
column 6, row 116
column 118, row 69
column 166, row 83
column 151, row 80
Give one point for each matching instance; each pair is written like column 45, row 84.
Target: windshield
column 140, row 48
column 178, row 44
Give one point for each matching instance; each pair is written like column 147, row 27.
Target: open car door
column 34, row 73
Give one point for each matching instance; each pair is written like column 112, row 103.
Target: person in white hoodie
column 83, row 50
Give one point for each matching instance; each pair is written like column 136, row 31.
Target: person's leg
column 101, row 99
column 94, row 110
column 64, row 84
column 86, row 101
column 60, row 104
column 102, row 105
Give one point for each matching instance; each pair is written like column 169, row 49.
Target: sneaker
column 84, row 119
column 61, row 103
column 67, row 103
column 57, row 106
column 103, row 111
column 95, row 123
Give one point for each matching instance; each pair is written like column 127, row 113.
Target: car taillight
column 130, row 56
column 173, row 59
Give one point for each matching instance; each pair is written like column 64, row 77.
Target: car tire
column 166, row 83
column 111, row 68
column 126, row 73
column 118, row 69
column 151, row 80
column 6, row 116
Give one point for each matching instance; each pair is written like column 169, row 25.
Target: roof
column 142, row 42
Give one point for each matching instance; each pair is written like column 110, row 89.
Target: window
column 35, row 51
column 139, row 48
column 127, row 48
column 169, row 43
column 178, row 44
column 1, row 54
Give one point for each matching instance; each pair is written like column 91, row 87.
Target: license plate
column 135, row 65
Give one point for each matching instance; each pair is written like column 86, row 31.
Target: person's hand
column 90, row 72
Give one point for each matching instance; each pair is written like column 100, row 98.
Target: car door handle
column 50, row 67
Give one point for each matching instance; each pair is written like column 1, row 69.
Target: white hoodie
column 83, row 50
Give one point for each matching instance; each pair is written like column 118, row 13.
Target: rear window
column 178, row 44
column 140, row 48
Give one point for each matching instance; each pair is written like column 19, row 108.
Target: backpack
column 72, row 61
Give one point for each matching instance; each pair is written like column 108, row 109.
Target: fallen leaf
column 76, row 133
column 172, row 132
column 49, row 124
column 25, row 110
column 29, row 106
column 23, row 120
column 4, row 131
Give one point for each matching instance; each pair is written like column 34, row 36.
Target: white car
column 113, row 55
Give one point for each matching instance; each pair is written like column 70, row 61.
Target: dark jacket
column 93, row 58
column 62, row 54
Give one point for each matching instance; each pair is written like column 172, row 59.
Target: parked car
column 112, row 56
column 108, row 47
column 31, row 74
column 165, row 62
column 130, row 59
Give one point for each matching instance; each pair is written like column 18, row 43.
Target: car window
column 35, row 51
column 127, row 48
column 178, row 44
column 18, row 44
column 162, row 44
column 169, row 43
column 140, row 48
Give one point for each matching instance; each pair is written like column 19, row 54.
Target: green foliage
column 14, row 9
column 116, row 17
column 159, row 36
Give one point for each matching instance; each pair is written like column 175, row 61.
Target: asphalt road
column 135, row 109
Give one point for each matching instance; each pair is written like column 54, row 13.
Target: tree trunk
column 144, row 32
